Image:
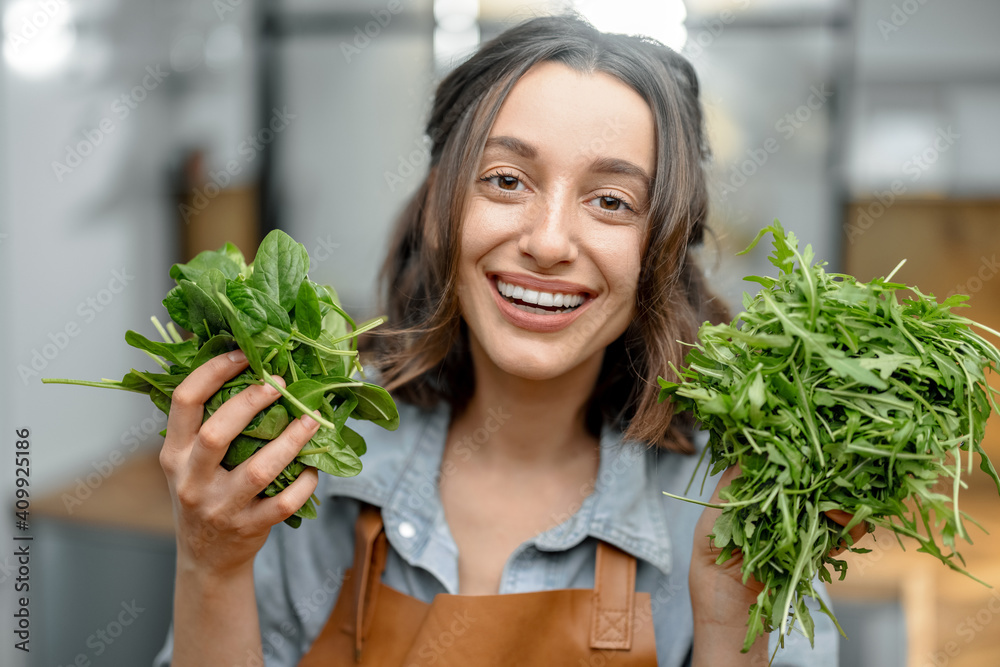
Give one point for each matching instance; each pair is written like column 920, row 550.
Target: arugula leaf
column 831, row 393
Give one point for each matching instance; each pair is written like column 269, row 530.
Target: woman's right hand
column 221, row 523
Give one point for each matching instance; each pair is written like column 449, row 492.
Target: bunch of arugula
column 831, row 394
column 288, row 326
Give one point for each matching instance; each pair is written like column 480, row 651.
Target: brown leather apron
column 377, row 626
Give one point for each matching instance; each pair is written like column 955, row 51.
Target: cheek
column 485, row 227
column 621, row 255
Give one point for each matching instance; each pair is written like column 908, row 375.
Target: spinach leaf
column 279, row 268
column 307, row 315
column 204, row 312
column 179, row 354
column 227, row 303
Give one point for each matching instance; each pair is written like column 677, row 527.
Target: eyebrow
column 514, row 145
column 613, row 165
column 600, row 165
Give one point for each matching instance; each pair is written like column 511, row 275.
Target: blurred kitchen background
column 135, row 134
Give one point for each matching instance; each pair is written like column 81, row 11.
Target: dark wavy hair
column 423, row 355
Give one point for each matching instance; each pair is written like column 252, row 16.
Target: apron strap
column 612, row 613
column 369, row 562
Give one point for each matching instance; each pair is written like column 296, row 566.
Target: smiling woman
column 539, row 281
column 557, row 111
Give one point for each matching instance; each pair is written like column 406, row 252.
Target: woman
column 538, row 284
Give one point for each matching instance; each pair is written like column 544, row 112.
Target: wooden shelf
column 133, row 497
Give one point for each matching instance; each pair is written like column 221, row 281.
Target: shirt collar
column 624, row 509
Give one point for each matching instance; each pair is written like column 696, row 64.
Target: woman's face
column 555, row 219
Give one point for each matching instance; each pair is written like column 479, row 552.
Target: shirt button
column 407, row 530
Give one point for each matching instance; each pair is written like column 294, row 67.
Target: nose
column 549, row 236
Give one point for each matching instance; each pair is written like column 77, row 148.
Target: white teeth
column 551, row 299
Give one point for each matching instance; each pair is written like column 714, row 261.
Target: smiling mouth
column 538, row 302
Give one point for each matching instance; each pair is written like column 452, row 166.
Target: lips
column 546, row 302
column 538, row 305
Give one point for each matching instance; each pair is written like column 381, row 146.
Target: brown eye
column 507, row 182
column 611, row 203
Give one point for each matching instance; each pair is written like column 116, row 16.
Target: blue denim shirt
column 298, row 572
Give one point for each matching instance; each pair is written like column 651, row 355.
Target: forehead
column 570, row 114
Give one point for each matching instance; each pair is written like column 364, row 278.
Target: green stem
column 172, row 330
column 319, row 346
column 163, row 332
column 893, row 272
column 155, row 358
column 695, row 502
column 87, row 383
column 367, row 326
column 808, row 417
column 315, row 450
column 981, row 326
column 735, row 503
column 297, row 403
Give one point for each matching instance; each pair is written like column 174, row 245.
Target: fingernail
column 237, row 356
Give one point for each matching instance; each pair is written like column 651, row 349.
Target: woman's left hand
column 719, row 598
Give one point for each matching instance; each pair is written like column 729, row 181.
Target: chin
column 537, row 365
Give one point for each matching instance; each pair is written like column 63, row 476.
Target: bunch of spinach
column 288, row 326
column 831, row 394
